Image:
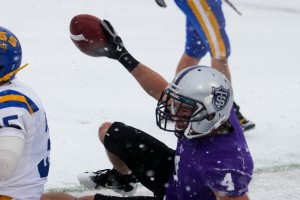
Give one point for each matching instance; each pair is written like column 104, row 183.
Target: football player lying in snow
column 211, row 161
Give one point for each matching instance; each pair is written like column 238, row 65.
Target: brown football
column 87, row 34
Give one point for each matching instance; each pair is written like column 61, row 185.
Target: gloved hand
column 115, row 48
column 161, row 3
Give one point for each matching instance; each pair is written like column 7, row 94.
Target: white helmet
column 203, row 89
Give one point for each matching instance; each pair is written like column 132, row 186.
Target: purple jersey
column 220, row 163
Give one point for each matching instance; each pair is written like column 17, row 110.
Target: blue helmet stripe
column 184, row 73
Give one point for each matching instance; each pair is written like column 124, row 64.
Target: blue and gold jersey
column 205, row 28
column 22, row 115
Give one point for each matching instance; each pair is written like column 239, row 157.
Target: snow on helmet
column 205, row 91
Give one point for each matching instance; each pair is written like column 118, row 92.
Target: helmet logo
column 220, row 97
column 11, row 40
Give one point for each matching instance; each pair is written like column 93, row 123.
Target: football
column 87, row 34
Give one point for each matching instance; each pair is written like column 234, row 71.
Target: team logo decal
column 221, row 97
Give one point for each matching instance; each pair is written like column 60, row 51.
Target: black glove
column 161, row 3
column 115, row 48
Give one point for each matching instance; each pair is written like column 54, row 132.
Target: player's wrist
column 128, row 61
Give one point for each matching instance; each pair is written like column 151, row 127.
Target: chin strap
column 7, row 76
column 189, row 130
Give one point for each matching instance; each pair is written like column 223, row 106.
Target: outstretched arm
column 150, row 81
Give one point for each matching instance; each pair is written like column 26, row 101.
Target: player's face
column 182, row 113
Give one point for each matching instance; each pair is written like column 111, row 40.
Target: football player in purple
column 205, row 33
column 212, row 160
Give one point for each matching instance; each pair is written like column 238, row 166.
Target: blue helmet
column 10, row 55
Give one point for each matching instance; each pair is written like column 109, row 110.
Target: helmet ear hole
column 1, row 67
column 211, row 116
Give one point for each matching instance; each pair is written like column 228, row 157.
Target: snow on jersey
column 220, row 163
column 22, row 115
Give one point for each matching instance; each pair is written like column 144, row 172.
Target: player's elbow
column 8, row 163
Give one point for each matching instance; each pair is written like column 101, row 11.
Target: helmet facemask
column 173, row 107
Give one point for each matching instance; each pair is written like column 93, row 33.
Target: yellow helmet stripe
column 7, row 76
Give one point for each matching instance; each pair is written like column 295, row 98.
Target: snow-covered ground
column 81, row 92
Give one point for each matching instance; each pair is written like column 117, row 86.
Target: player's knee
column 103, row 130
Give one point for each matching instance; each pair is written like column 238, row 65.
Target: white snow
column 81, row 92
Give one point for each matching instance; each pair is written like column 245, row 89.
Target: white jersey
column 22, row 115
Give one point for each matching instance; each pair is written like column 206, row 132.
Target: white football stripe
column 77, row 37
